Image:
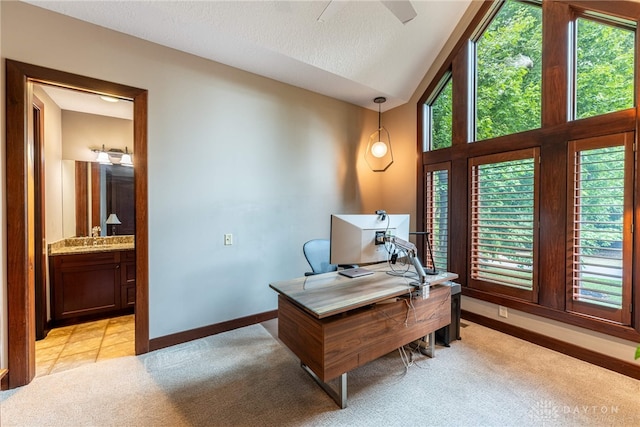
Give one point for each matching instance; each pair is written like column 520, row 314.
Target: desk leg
column 431, row 349
column 339, row 396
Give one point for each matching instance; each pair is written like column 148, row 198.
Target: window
column 437, row 214
column 541, row 205
column 508, row 72
column 438, row 117
column 601, row 196
column 604, row 67
column 504, row 221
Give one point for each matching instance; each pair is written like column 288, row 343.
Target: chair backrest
column 317, row 253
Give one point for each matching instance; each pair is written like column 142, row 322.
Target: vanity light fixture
column 378, row 154
column 107, row 157
column 103, row 157
column 113, row 220
column 125, row 160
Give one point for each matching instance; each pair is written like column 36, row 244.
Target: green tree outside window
column 441, row 118
column 604, row 68
column 508, row 72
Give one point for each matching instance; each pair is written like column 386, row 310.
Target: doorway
column 88, row 308
column 21, row 216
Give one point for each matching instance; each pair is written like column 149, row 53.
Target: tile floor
column 72, row 346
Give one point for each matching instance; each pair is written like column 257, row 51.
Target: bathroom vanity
column 91, row 278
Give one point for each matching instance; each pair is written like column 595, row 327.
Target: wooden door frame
column 19, row 202
column 40, row 260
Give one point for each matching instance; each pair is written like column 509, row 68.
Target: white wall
column 52, row 176
column 53, row 166
column 228, row 152
column 68, row 198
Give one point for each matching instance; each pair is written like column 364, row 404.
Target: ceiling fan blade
column 403, row 10
column 330, row 10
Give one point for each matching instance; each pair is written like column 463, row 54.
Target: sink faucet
column 95, row 231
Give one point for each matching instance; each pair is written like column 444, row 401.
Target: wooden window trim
column 473, row 77
column 621, row 316
column 552, row 139
column 428, row 219
column 427, row 112
column 513, row 292
column 572, row 35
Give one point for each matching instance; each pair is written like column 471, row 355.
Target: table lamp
column 113, row 221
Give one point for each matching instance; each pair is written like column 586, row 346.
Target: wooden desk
column 335, row 324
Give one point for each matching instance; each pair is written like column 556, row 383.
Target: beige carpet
column 246, row 377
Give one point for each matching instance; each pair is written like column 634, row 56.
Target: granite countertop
column 83, row 245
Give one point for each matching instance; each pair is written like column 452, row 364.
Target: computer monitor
column 359, row 239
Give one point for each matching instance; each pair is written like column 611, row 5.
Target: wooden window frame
column 427, row 112
column 552, row 139
column 572, row 104
column 429, row 216
column 488, row 286
column 490, row 15
column 622, row 315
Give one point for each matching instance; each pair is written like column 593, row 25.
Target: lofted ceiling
column 356, row 53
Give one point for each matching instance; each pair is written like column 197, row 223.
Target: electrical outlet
column 502, row 311
column 228, row 239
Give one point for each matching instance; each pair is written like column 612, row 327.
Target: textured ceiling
column 360, row 52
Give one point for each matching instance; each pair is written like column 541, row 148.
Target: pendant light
column 378, row 154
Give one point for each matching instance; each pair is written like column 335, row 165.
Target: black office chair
column 317, row 253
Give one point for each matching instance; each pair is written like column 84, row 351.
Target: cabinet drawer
column 84, row 259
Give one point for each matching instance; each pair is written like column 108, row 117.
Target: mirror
column 118, row 199
column 91, row 192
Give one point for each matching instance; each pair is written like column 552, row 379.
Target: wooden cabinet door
column 91, row 285
column 86, row 290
